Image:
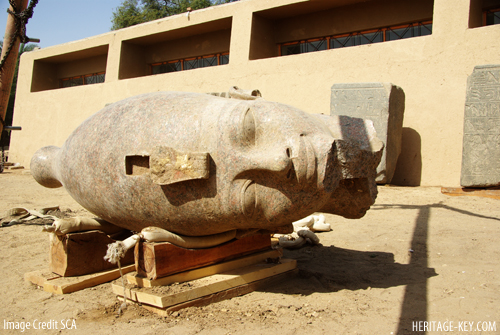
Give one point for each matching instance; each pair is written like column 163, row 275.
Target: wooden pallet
column 209, row 289
column 57, row 284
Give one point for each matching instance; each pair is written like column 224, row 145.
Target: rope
column 115, row 252
column 20, row 20
column 124, row 304
column 1, row 119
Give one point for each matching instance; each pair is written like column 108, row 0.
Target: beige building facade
column 271, row 45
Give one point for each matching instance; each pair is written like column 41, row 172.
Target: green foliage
column 128, row 14
column 132, row 12
column 22, row 49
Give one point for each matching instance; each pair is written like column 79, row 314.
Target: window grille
column 94, row 78
column 224, row 59
column 190, row 63
column 412, row 30
column 86, row 79
column 353, row 39
column 356, row 38
column 491, row 17
column 166, row 67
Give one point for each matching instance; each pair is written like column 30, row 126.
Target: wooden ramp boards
column 207, row 285
column 54, row 283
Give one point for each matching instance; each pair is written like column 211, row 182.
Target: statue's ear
column 168, row 166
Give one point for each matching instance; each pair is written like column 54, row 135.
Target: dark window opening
column 491, row 17
column 86, row 79
column 224, row 59
column 166, row 67
column 356, row 38
column 190, row 63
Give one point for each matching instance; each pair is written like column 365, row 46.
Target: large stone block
column 481, row 142
column 384, row 104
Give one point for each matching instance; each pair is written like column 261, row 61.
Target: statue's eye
column 247, row 131
column 248, row 198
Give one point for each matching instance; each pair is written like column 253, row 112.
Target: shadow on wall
column 409, row 166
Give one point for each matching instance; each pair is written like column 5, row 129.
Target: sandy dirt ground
column 417, row 256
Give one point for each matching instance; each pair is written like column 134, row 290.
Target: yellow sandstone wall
column 432, row 70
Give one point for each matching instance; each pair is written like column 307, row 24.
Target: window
column 412, row 30
column 188, row 47
column 356, row 38
column 81, row 67
column 166, row 67
column 190, row 63
column 304, row 46
column 87, row 79
column 348, row 40
column 491, row 17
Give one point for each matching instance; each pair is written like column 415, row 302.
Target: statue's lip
column 304, row 161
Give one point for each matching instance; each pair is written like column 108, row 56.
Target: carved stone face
column 272, row 162
column 198, row 165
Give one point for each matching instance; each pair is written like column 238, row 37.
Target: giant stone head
column 197, row 164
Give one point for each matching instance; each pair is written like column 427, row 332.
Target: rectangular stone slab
column 481, row 140
column 384, row 104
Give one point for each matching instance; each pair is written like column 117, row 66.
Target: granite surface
column 257, row 164
column 481, row 141
column 384, row 104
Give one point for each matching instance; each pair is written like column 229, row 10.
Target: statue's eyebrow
column 247, row 127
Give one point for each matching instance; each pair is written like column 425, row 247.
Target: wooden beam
column 222, row 295
column 82, row 253
column 178, row 294
column 157, row 260
column 9, row 66
column 135, row 279
column 54, row 283
column 493, row 193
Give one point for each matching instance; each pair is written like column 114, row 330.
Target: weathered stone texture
column 481, row 142
column 384, row 104
column 198, row 165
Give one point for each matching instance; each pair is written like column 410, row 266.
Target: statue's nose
column 276, row 160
